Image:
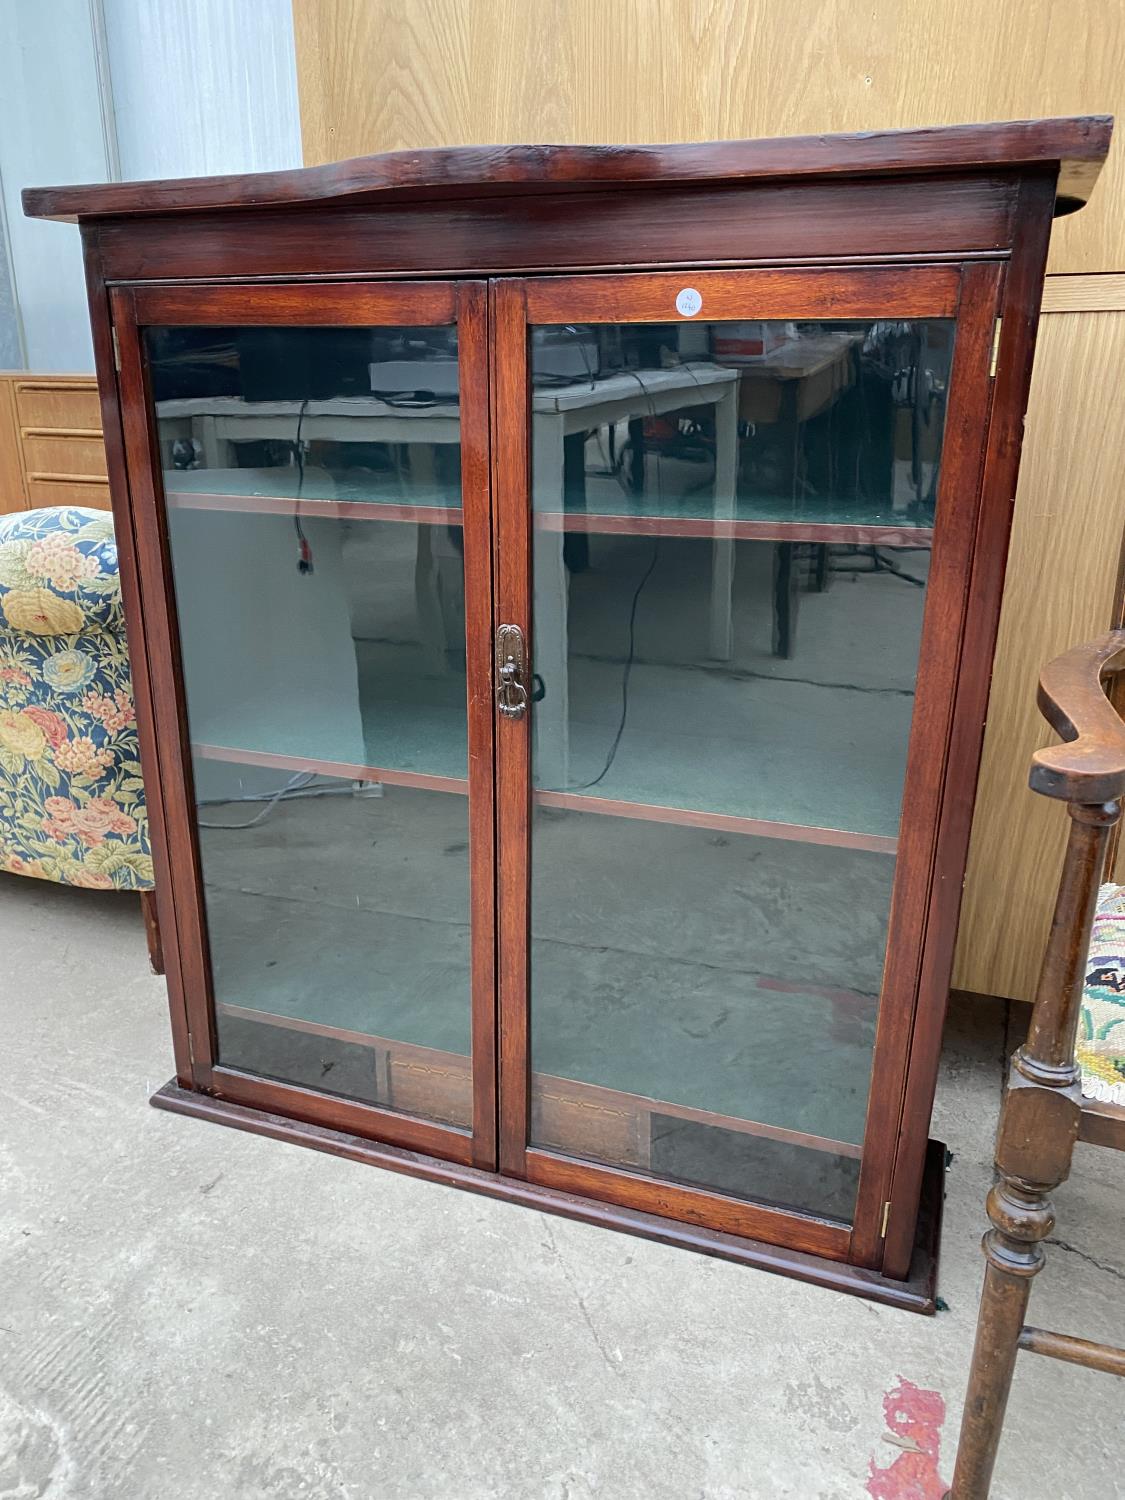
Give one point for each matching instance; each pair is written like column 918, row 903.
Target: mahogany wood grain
column 137, row 639
column 476, row 497
column 1022, row 292
column 643, row 1106
column 152, row 932
column 927, row 772
column 458, row 785
column 1075, row 145
column 691, row 226
column 336, row 510
column 324, row 304
column 342, row 1114
column 865, row 293
column 172, row 762
column 839, row 532
column 577, row 299
column 916, row 1294
column 838, row 838
column 941, row 211
column 584, row 1096
column 653, row 1195
column 309, row 1027
column 511, row 490
column 366, row 304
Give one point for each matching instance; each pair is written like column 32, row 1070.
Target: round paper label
column 688, row 302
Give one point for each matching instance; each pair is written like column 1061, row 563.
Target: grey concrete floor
column 190, row 1311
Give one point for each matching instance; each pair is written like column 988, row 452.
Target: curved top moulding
column 1076, row 146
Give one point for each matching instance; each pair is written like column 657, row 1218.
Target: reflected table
column 557, row 413
column 218, row 424
column 791, row 385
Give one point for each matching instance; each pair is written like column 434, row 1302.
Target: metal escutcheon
column 511, row 672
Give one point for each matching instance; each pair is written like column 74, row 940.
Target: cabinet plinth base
column 915, row 1294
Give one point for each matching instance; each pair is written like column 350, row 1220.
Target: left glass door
column 313, row 464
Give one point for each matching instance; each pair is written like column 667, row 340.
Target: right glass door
column 734, row 486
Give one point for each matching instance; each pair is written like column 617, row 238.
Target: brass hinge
column 995, row 348
column 116, row 351
column 886, row 1216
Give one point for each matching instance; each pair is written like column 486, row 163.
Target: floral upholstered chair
column 72, row 805
column 1101, row 1023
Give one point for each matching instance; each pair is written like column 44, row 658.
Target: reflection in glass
column 312, row 484
column 732, row 529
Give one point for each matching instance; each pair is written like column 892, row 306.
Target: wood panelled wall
column 376, row 75
column 51, row 449
column 1063, row 571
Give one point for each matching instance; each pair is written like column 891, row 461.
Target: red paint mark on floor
column 792, row 987
column 852, row 1012
column 914, row 1422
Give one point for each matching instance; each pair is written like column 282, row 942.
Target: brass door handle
column 511, row 672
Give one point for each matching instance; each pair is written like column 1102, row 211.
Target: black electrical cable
column 304, row 551
column 630, row 657
column 884, row 565
column 631, row 654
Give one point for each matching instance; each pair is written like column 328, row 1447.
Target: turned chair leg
column 152, row 931
column 1039, row 1120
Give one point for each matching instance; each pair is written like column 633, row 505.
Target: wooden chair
column 1041, row 1115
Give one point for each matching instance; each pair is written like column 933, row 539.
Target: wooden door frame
column 1000, row 441
column 166, row 752
column 970, row 292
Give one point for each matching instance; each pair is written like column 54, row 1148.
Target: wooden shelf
column 311, row 508
column 839, row 838
column 569, row 1092
column 737, row 529
column 345, row 769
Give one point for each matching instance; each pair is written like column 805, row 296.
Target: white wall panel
column 50, row 132
column 203, row 86
column 11, row 334
column 93, row 89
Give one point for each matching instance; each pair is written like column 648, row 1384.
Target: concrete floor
column 189, row 1311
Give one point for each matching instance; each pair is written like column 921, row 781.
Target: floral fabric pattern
column 72, row 805
column 1101, row 1028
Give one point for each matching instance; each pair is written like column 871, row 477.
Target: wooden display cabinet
column 562, row 585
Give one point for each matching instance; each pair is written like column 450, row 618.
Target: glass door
column 734, row 524
column 316, row 467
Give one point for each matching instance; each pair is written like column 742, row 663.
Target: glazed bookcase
column 562, row 586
